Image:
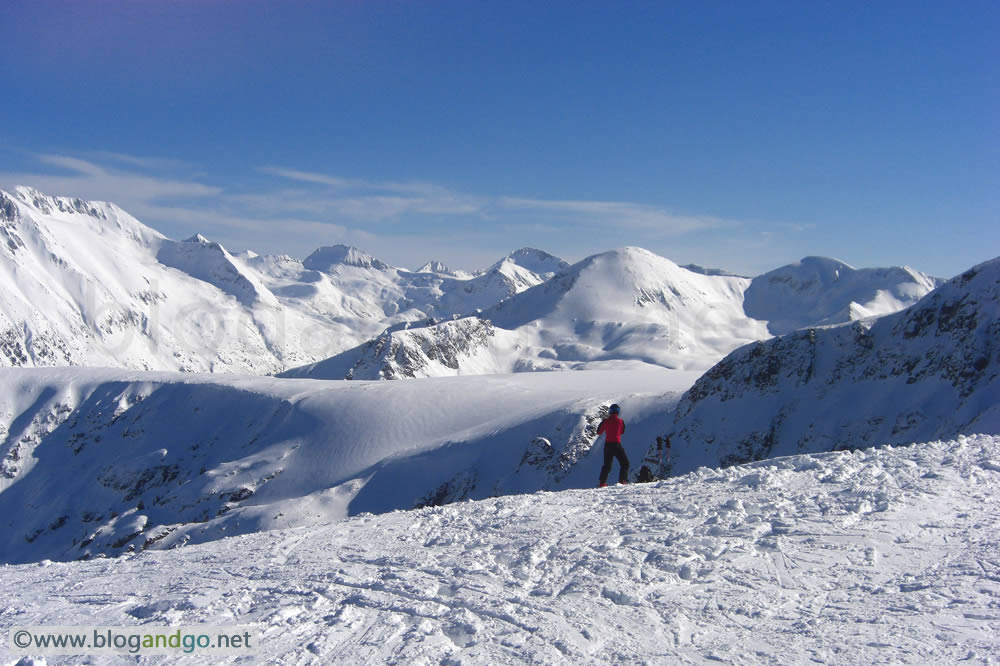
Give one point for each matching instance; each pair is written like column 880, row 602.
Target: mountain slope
column 441, row 350
column 100, row 462
column 90, row 285
column 886, row 556
column 932, row 370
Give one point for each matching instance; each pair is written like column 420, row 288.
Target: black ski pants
column 614, row 450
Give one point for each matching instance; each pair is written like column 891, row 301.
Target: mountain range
column 97, row 462
column 90, row 285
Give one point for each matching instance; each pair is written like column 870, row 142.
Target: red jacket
column 613, row 428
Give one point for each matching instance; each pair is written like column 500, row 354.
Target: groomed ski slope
column 880, row 556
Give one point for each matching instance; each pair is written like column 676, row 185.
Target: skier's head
column 615, row 409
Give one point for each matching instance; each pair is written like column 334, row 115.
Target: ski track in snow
column 880, row 556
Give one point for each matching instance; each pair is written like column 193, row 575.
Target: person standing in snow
column 613, row 428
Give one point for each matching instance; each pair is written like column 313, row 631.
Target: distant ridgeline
column 90, row 285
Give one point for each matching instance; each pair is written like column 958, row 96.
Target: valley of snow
column 881, row 556
column 100, row 462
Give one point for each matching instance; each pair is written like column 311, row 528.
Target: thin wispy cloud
column 301, row 210
column 307, row 177
column 425, row 198
column 182, row 207
column 151, row 163
column 412, row 188
column 90, row 180
column 623, row 214
column 381, row 201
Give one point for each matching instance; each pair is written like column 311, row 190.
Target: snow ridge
column 325, row 258
column 92, row 286
column 930, row 371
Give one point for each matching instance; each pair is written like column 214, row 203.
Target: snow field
column 882, row 556
column 107, row 461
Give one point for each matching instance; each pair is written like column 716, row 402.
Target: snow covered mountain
column 91, row 285
column 87, row 284
column 618, row 309
column 885, row 556
column 818, row 291
column 441, row 269
column 460, row 346
column 623, row 308
column 930, row 371
column 108, row 461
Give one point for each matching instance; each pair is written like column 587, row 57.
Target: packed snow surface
column 880, row 556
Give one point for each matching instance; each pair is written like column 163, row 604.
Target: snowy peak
column 612, row 286
column 88, row 284
column 325, row 258
column 48, row 204
column 210, row 262
column 627, row 306
column 49, row 215
column 541, row 263
column 438, row 268
column 435, row 267
column 819, row 291
column 968, row 304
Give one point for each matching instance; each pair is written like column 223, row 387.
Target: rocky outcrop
column 928, row 372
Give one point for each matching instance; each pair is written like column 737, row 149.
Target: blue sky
column 742, row 135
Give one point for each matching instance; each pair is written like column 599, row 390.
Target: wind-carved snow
column 881, row 556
